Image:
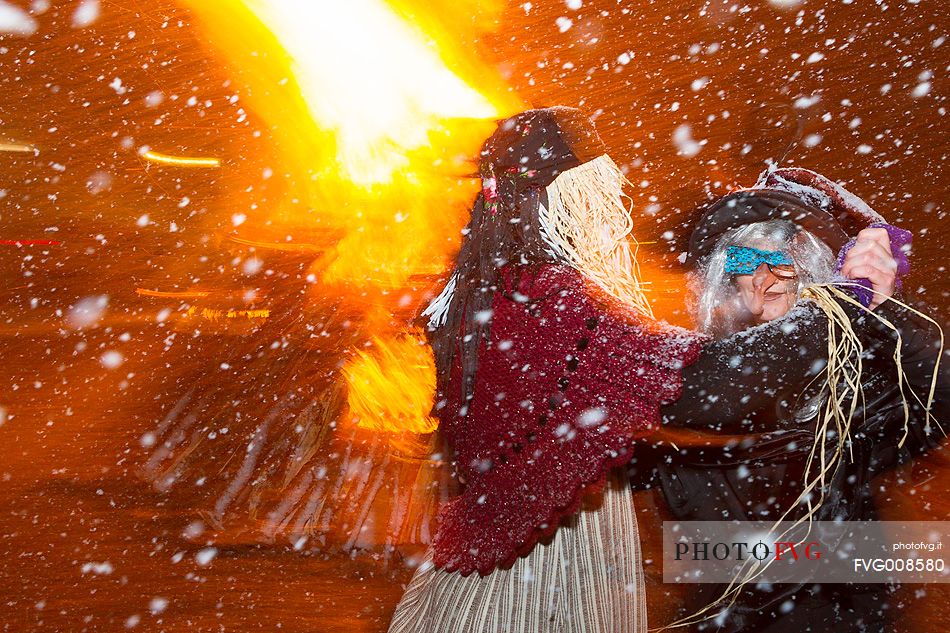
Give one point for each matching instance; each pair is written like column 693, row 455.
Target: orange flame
column 368, row 76
column 391, row 388
column 375, row 131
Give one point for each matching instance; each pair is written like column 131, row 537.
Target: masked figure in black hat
column 770, row 292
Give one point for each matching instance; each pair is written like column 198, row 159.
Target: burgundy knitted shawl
column 570, row 379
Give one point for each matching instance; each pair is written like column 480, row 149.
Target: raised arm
column 742, row 384
column 735, row 384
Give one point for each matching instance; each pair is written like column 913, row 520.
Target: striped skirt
column 588, row 578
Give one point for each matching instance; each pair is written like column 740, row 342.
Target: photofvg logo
column 765, row 548
column 821, row 551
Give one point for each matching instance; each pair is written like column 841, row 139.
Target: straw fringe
column 587, row 226
column 587, row 222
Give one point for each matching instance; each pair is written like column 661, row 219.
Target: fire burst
column 365, row 74
column 365, row 87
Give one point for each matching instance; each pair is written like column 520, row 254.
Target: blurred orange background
column 335, row 148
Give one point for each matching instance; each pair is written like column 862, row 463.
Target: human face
column 768, row 293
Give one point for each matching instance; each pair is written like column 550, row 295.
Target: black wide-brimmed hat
column 760, row 205
column 811, row 201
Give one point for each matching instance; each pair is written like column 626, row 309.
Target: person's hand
column 870, row 258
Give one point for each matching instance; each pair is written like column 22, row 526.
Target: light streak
column 19, row 148
column 184, row 294
column 30, row 242
column 181, row 161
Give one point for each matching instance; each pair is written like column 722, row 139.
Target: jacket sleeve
column 744, row 383
column 735, row 385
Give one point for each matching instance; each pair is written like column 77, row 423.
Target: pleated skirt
column 588, row 578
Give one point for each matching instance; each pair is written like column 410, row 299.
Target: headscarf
column 550, row 194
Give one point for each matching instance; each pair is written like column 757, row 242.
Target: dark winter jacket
column 750, row 407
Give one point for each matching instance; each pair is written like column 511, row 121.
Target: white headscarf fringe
column 844, row 392
column 438, row 310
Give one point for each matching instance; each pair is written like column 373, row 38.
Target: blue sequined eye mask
column 743, row 260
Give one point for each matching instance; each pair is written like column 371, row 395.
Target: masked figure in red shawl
column 549, row 366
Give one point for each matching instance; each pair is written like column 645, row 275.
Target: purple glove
column 900, row 245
